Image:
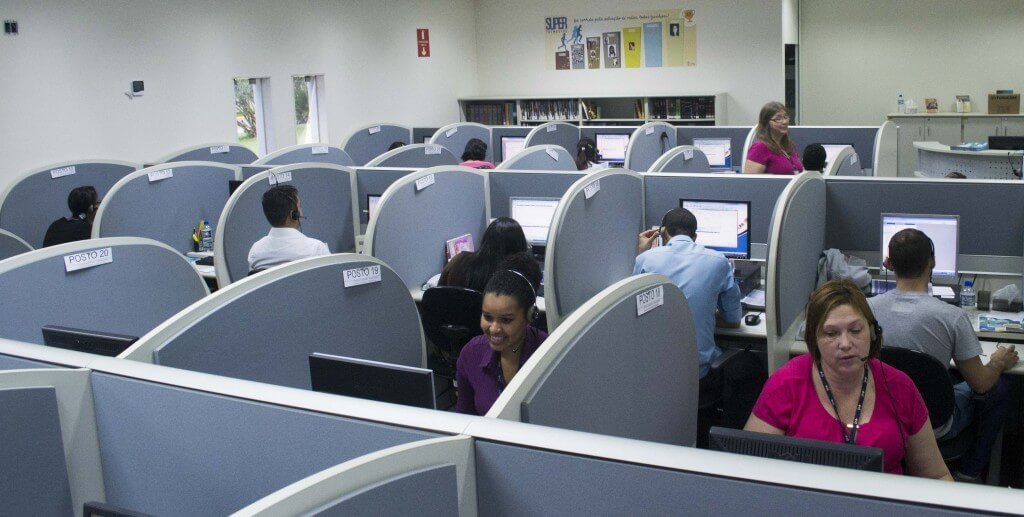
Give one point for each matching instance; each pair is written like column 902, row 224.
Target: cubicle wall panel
column 737, row 136
column 8, row 362
column 315, row 154
column 861, row 138
column 411, row 230
column 521, row 481
column 368, row 143
column 235, row 155
column 801, row 241
column 537, row 158
column 39, row 199
column 167, row 210
column 33, row 469
column 662, row 193
column 416, row 157
column 454, row 137
column 562, row 134
column 991, row 214
column 596, row 243
column 682, row 159
column 428, row 492
column 142, row 287
column 171, row 451
column 373, row 182
column 11, row 245
column 505, row 185
column 648, row 143
column 249, row 171
column 499, row 131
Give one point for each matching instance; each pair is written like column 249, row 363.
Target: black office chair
column 729, row 391
column 936, row 386
column 451, row 317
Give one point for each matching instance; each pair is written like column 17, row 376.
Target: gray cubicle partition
column 592, row 242
column 540, row 158
column 415, row 156
column 846, row 163
column 37, row 198
column 454, row 137
column 218, row 152
column 166, row 202
column 422, row 135
column 737, row 135
column 991, row 217
column 127, row 286
column 249, row 171
column 562, row 134
column 304, row 153
column 11, row 245
column 420, row 212
column 623, row 364
column 663, row 192
column 373, row 182
column 795, row 244
column 504, row 185
column 325, row 192
column 683, row 158
column 649, row 142
column 366, row 143
column 291, row 311
column 497, row 132
column 861, row 138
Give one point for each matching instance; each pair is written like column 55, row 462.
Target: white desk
column 935, row 160
column 207, row 272
column 759, row 331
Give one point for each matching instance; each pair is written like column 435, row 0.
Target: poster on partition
column 648, row 39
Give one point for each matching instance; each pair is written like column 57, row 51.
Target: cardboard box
column 1003, row 104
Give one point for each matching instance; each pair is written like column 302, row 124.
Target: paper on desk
column 754, row 299
column 943, row 291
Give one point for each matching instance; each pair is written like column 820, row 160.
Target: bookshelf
column 682, row 110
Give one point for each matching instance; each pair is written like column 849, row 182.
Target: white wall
column 739, row 52
column 63, row 77
column 855, row 57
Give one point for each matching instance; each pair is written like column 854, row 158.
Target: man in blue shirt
column 705, row 277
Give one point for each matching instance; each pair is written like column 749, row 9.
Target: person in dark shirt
column 815, row 158
column 83, row 203
column 502, row 238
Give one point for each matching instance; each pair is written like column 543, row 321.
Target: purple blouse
column 773, row 162
column 478, row 368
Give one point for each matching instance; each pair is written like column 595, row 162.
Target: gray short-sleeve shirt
column 918, row 321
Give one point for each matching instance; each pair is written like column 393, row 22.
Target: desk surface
column 759, row 331
column 937, row 147
column 997, row 336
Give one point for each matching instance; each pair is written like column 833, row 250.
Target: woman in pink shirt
column 833, row 394
column 772, row 151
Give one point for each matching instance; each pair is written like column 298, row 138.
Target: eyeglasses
column 780, row 118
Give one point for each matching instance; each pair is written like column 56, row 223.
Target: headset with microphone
column 532, row 314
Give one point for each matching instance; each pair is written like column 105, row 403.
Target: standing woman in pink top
column 841, row 391
column 772, row 151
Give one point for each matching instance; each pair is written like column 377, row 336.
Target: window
column 310, row 120
column 251, row 108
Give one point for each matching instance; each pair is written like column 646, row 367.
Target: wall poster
column 650, row 39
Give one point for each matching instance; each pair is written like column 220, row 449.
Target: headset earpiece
column 532, row 314
column 876, row 335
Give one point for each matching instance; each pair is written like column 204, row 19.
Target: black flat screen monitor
column 722, row 225
column 1006, row 143
column 233, row 185
column 89, row 341
column 372, row 380
column 800, row 450
column 611, row 148
column 511, row 145
column 943, row 230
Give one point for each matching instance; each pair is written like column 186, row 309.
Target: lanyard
column 855, row 426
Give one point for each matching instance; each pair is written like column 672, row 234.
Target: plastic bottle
column 206, row 239
column 900, row 105
column 968, row 298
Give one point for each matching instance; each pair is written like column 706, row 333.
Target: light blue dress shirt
column 706, row 279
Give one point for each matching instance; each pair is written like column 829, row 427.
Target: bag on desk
column 1007, row 299
column 833, row 265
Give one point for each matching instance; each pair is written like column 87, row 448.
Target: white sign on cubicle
column 87, row 259
column 552, row 153
column 687, row 154
column 593, row 188
column 432, row 149
column 374, row 130
column 320, row 149
column 220, row 149
column 650, row 300
column 361, row 276
column 61, row 172
column 649, row 131
column 451, row 132
column 160, row 175
column 551, row 129
column 424, row 182
column 279, row 177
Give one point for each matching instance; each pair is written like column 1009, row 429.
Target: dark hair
column 679, row 221
column 956, row 175
column 909, row 253
column 81, row 199
column 825, row 299
column 506, row 282
column 502, row 238
column 279, row 202
column 476, row 149
column 814, row 158
column 395, row 145
column 586, row 152
column 525, row 264
column 763, row 132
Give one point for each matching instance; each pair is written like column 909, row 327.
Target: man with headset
column 285, row 242
column 913, row 319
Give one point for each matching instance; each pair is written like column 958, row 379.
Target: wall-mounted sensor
column 11, row 27
column 136, row 90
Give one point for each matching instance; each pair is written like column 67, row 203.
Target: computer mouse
column 752, row 319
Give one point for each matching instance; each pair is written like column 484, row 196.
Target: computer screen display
column 611, row 148
column 722, row 225
column 800, row 450
column 511, row 145
column 426, row 139
column 943, row 230
column 372, row 380
column 718, row 151
column 371, row 205
column 534, row 214
column 89, row 341
column 832, row 152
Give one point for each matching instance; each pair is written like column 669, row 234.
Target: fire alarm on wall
column 11, row 27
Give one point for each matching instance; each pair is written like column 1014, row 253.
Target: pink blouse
column 773, row 162
column 790, row 403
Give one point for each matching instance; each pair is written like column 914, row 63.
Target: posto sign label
column 361, row 275
column 87, row 259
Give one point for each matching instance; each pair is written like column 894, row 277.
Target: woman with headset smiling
column 832, row 394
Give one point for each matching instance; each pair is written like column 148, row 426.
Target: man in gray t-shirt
column 911, row 318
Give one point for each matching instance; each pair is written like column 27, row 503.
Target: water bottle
column 206, row 239
column 900, row 105
column 968, row 298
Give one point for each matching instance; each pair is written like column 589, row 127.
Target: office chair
column 936, row 386
column 729, row 390
column 451, row 317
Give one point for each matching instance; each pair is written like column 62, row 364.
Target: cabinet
column 946, row 130
column 978, row 129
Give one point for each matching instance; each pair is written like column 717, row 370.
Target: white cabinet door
column 944, row 130
column 978, row 129
column 1013, row 126
column 909, row 130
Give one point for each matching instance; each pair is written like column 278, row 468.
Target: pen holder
column 984, row 298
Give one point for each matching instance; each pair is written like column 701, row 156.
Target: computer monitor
column 943, row 230
column 372, row 380
column 1006, row 143
column 233, row 185
column 426, row 139
column 832, row 152
column 611, row 148
column 722, row 225
column 534, row 214
column 89, row 341
column 718, row 151
column 371, row 205
column 511, row 145
column 800, row 450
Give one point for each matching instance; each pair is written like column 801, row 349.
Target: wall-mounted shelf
column 684, row 110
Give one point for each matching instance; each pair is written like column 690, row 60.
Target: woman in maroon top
column 772, row 151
